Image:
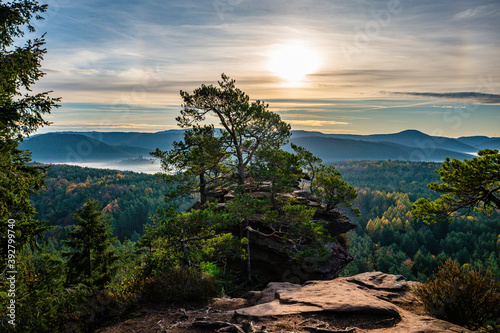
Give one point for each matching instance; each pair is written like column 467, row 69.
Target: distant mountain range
column 409, row 145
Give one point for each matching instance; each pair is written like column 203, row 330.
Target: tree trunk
column 89, row 265
column 203, row 189
column 249, row 266
column 273, row 199
column 241, row 174
column 185, row 255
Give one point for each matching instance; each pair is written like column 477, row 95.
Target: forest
column 230, row 211
column 128, row 198
column 387, row 237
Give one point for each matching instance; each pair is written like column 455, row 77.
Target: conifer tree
column 332, row 190
column 246, row 126
column 21, row 114
column 466, row 185
column 201, row 155
column 91, row 256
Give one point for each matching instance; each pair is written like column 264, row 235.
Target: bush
column 178, row 286
column 461, row 295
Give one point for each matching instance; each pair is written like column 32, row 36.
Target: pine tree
column 21, row 114
column 91, row 258
column 466, row 185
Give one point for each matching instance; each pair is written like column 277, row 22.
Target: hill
column 332, row 149
column 481, row 142
column 150, row 141
column 71, row 148
column 409, row 145
column 414, row 138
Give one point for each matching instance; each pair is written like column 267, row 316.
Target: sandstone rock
column 332, row 296
column 271, row 261
column 271, row 290
column 261, row 195
column 271, row 256
column 372, row 293
column 303, row 194
column 336, row 222
column 379, row 280
column 217, row 195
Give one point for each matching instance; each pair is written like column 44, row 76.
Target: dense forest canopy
column 387, row 237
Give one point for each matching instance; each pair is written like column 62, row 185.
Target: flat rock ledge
column 374, row 294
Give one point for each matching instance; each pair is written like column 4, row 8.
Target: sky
column 335, row 66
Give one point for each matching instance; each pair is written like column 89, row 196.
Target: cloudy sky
column 336, row 66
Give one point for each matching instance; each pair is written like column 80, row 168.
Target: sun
column 293, row 61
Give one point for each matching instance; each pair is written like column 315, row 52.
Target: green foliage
column 43, row 304
column 178, row 285
column 391, row 176
column 461, row 295
column 21, row 67
column 201, row 155
column 278, row 167
column 21, row 114
column 246, row 126
column 332, row 190
column 90, row 256
column 128, row 197
column 310, row 161
column 465, row 185
column 178, row 239
column 387, row 226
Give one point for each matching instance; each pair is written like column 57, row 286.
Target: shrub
column 178, row 285
column 461, row 295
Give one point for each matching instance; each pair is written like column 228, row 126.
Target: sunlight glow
column 293, row 61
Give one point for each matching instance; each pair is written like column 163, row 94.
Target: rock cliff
column 270, row 254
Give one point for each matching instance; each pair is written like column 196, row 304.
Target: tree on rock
column 246, row 126
column 309, row 161
column 466, row 185
column 201, row 155
column 91, row 256
column 329, row 187
column 278, row 167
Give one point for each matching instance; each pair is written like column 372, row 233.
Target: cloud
column 470, row 12
column 316, row 123
column 468, row 97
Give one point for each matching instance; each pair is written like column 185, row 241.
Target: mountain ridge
column 410, row 145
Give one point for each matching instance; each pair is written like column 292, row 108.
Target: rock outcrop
column 271, row 258
column 387, row 299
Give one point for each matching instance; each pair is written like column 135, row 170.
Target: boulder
column 338, row 296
